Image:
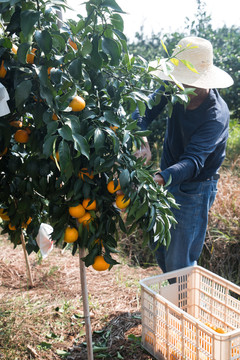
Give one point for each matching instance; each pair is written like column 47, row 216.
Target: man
column 194, row 149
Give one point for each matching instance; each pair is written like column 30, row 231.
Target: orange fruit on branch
column 70, row 235
column 77, row 103
column 16, row 123
column 14, row 49
column 89, row 204
column 31, row 56
column 100, row 264
column 3, row 71
column 122, row 202
column 114, row 128
column 21, row 136
column 25, row 225
column 111, row 186
column 84, row 172
column 77, row 211
column 72, row 44
column 4, row 215
column 85, row 219
column 54, row 117
column 11, row 227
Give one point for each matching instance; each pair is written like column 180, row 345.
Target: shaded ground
column 46, row 322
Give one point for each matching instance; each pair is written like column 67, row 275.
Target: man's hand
column 144, row 152
column 159, row 179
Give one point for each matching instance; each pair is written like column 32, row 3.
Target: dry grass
column 222, row 245
column 46, row 322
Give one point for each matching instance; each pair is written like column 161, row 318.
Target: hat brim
column 212, row 78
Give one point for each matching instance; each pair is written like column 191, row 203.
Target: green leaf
column 126, row 137
column 132, row 125
column 75, row 69
column 58, row 42
column 22, row 52
column 111, row 117
column 48, row 146
column 28, row 20
column 65, row 159
column 120, row 34
column 122, row 225
column 141, row 107
column 111, row 48
column 81, row 145
column 86, row 47
column 143, row 132
column 99, row 139
column 43, row 75
column 168, row 238
column 141, row 211
column 124, row 178
column 22, row 92
column 63, row 353
column 112, row 4
column 96, row 59
column 117, row 22
column 66, row 133
column 44, row 40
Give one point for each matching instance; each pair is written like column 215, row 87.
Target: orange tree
column 69, row 132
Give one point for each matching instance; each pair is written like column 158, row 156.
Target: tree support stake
column 85, row 304
column 26, row 260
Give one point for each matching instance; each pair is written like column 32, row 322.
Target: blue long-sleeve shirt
column 195, row 140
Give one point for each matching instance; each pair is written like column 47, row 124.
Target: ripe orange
column 4, row 151
column 77, row 211
column 70, row 235
column 100, row 264
column 84, row 172
column 16, row 123
column 54, row 117
column 73, row 44
column 11, row 227
column 121, row 202
column 77, row 103
column 21, row 136
column 111, row 188
column 31, row 56
column 89, row 205
column 114, row 128
column 49, row 70
column 85, row 219
column 14, row 49
column 25, row 225
column 4, row 215
column 3, row 71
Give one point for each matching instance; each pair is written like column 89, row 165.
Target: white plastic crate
column 177, row 308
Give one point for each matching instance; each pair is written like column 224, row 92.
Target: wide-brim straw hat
column 198, row 52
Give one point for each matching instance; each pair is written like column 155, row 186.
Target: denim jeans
column 188, row 235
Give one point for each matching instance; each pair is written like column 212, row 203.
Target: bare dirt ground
column 47, row 322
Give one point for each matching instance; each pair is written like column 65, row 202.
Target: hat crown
column 198, row 51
